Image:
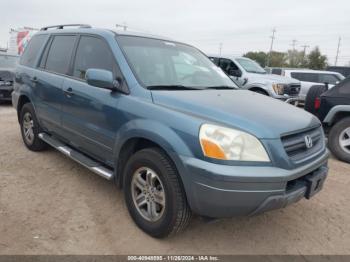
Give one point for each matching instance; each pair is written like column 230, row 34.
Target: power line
column 272, row 40
column 338, row 49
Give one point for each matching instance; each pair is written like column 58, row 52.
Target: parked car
column 344, row 70
column 310, row 78
column 6, row 84
column 167, row 125
column 332, row 107
column 248, row 74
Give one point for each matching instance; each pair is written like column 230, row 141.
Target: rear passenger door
column 90, row 118
column 53, row 68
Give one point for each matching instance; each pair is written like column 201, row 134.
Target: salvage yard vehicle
column 6, row 84
column 248, row 74
column 166, row 124
column 309, row 78
column 332, row 107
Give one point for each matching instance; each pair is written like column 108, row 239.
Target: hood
column 272, row 78
column 257, row 114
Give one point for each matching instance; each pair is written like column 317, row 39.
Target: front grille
column 292, row 89
column 295, row 145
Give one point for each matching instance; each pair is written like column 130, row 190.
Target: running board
column 92, row 165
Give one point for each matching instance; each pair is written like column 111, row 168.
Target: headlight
column 278, row 88
column 230, row 144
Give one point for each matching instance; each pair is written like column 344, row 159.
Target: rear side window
column 60, row 53
column 305, row 77
column 92, row 52
column 328, row 78
column 31, row 53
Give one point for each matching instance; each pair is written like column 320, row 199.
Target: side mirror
column 235, row 72
column 101, row 78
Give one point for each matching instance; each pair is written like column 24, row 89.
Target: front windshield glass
column 169, row 64
column 251, row 66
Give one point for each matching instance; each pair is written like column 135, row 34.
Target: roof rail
column 62, row 26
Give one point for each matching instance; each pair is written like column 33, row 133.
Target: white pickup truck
column 248, row 74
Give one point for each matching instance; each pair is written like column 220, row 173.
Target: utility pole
column 220, row 49
column 271, row 47
column 304, row 53
column 124, row 26
column 305, row 46
column 294, row 42
column 338, row 50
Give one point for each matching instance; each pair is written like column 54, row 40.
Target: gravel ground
column 51, row 205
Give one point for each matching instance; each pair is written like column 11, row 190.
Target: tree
column 316, row 60
column 259, row 57
column 296, row 59
column 278, row 59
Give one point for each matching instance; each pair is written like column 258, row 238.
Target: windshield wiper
column 221, row 87
column 172, row 87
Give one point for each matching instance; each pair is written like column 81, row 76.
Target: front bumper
column 218, row 191
column 5, row 93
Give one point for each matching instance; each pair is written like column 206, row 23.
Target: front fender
column 158, row 133
column 334, row 111
column 154, row 131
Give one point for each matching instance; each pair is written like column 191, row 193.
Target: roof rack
column 66, row 25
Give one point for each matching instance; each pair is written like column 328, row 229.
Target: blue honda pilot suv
column 166, row 124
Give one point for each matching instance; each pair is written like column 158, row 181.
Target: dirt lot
column 51, row 205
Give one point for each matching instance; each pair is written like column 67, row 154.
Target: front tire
column 339, row 140
column 30, row 129
column 154, row 194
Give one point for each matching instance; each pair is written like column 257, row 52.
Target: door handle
column 68, row 92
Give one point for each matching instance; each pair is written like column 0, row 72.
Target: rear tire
column 314, row 92
column 30, row 129
column 171, row 211
column 339, row 140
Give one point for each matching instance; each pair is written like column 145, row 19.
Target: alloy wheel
column 148, row 194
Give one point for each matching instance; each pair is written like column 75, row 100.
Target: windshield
column 251, row 66
column 160, row 63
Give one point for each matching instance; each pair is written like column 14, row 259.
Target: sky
column 240, row 26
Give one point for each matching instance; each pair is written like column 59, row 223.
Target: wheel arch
column 257, row 88
column 154, row 134
column 22, row 100
column 337, row 113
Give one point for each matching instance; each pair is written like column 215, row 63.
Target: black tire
column 176, row 213
column 334, row 143
column 36, row 144
column 314, row 92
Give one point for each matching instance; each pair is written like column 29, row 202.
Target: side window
column 227, row 65
column 92, row 52
column 305, row 77
column 31, row 53
column 276, row 71
column 60, row 53
column 214, row 60
column 328, row 78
